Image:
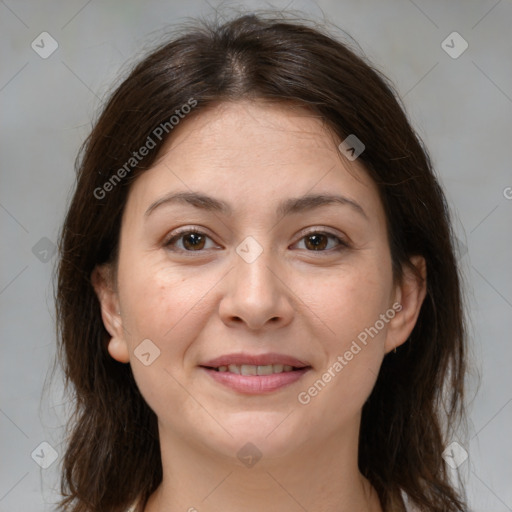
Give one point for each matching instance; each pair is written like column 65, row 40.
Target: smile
column 250, row 369
column 255, row 374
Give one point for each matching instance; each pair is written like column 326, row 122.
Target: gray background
column 462, row 108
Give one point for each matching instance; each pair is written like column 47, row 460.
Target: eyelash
column 342, row 244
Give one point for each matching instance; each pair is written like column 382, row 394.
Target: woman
column 258, row 300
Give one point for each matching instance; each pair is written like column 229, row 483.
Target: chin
column 264, row 433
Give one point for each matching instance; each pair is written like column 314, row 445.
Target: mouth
column 251, row 369
column 255, row 374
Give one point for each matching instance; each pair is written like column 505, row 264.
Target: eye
column 191, row 241
column 322, row 241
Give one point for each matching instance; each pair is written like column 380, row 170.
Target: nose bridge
column 255, row 293
column 253, row 277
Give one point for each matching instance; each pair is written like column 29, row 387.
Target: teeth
column 265, row 370
column 250, row 369
column 233, row 368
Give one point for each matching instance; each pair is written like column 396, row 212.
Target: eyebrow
column 287, row 207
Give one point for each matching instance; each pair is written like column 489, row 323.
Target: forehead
column 245, row 130
column 253, row 153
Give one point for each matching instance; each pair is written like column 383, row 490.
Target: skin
column 199, row 304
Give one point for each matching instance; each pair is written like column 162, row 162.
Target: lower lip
column 256, row 384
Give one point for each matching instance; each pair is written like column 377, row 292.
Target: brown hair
column 113, row 454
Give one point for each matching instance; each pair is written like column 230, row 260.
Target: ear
column 103, row 282
column 409, row 296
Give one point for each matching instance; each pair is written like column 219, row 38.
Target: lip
column 256, row 360
column 255, row 384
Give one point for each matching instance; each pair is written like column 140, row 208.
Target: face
column 263, row 295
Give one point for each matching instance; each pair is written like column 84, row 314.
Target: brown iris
column 318, row 242
column 193, row 241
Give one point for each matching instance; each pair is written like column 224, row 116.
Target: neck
column 318, row 477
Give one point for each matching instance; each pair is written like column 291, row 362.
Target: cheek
column 162, row 303
column 351, row 300
column 166, row 306
column 355, row 308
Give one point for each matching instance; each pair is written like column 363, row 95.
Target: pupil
column 317, row 241
column 196, row 240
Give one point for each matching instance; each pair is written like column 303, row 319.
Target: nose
column 257, row 294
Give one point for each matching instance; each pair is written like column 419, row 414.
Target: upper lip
column 256, row 360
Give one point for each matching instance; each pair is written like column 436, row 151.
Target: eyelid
column 324, row 230
column 343, row 241
column 179, row 232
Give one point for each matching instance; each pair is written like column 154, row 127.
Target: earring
column 394, row 350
